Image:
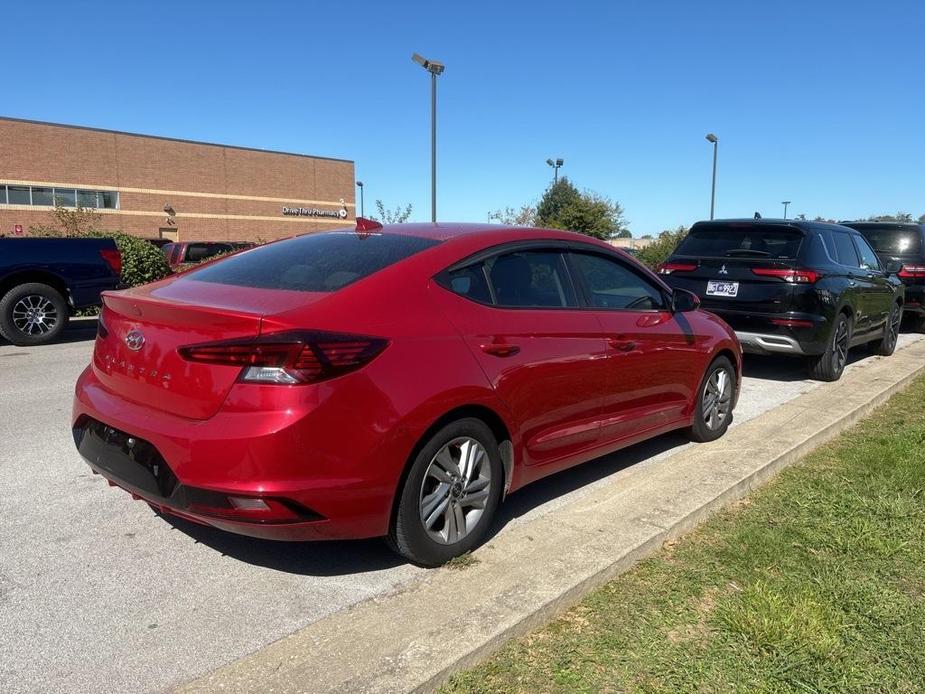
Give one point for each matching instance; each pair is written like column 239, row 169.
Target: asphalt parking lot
column 98, row 593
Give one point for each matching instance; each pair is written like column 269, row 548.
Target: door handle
column 500, row 349
column 621, row 344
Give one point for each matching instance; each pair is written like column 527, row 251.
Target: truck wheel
column 32, row 314
column 830, row 365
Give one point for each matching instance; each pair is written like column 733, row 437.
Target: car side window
column 845, row 252
column 531, row 279
column 613, row 285
column 869, row 260
column 469, row 282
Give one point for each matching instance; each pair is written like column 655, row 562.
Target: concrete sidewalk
column 415, row 638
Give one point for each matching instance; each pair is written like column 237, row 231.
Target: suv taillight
column 912, row 271
column 113, row 259
column 797, row 276
column 668, row 268
column 290, row 358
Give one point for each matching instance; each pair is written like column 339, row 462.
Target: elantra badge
column 134, row 340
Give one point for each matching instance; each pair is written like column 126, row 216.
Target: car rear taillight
column 796, row 276
column 912, row 271
column 113, row 259
column 668, row 268
column 290, row 358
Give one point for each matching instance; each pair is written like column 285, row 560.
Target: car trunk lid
column 142, row 330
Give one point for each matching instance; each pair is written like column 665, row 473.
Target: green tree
column 564, row 207
column 921, row 219
column 396, row 216
column 898, row 217
column 658, row 251
column 524, row 217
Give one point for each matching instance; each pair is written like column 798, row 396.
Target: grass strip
column 815, row 583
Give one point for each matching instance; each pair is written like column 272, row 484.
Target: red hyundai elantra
column 395, row 381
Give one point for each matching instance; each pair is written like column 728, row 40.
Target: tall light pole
column 715, row 140
column 435, row 69
column 555, row 169
column 362, row 209
column 786, row 204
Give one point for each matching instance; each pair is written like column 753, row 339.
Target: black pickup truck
column 43, row 280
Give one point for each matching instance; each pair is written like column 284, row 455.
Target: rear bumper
column 758, row 343
column 190, row 468
column 791, row 333
column 915, row 300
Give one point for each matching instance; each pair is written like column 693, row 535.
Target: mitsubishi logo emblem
column 135, row 340
column 723, row 270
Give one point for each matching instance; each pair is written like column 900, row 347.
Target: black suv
column 903, row 243
column 792, row 287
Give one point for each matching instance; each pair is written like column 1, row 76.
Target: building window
column 19, row 195
column 43, row 196
column 87, row 198
column 109, row 200
column 66, row 197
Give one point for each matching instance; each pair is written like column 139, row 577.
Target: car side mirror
column 683, row 301
column 893, row 267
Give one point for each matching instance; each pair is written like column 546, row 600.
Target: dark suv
column 792, row 287
column 903, row 243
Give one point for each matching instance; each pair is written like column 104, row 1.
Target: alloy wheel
column 455, row 490
column 717, row 399
column 895, row 320
column 34, row 314
column 840, row 344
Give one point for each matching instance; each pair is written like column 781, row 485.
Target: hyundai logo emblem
column 135, row 340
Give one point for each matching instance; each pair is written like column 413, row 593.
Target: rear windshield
column 322, row 262
column 746, row 241
column 894, row 240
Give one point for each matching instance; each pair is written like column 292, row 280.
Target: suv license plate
column 721, row 288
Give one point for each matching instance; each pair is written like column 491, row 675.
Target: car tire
column 886, row 345
column 715, row 397
column 32, row 314
column 441, row 490
column 830, row 365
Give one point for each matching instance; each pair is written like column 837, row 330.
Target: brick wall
column 217, row 192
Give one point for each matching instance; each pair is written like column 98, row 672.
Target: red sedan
column 394, row 381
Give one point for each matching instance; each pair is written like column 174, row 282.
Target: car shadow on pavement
column 322, row 558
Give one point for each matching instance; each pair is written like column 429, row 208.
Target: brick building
column 161, row 187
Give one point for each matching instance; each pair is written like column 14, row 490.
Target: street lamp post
column 435, row 69
column 362, row 209
column 786, row 204
column 555, row 169
column 715, row 140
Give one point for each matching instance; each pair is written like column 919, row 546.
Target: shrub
column 142, row 261
column 658, row 251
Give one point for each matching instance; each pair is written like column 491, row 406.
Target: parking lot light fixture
column 360, row 186
column 714, row 140
column 555, row 164
column 786, row 204
column 435, row 69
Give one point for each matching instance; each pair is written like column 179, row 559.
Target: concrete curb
column 414, row 639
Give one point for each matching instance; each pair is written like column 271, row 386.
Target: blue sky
column 821, row 103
